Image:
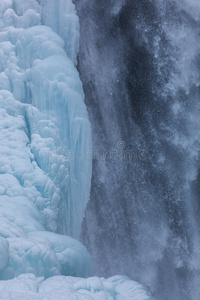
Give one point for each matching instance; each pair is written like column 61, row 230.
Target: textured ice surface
column 61, row 16
column 43, row 125
column 27, row 286
column 35, row 69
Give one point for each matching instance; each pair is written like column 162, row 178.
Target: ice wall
column 62, row 18
column 45, row 144
column 36, row 69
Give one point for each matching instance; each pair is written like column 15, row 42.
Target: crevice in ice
column 27, row 127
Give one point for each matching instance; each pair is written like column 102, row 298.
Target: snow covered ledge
column 27, row 286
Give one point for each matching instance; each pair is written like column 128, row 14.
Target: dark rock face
column 139, row 64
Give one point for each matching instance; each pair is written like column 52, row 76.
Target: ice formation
column 27, row 286
column 45, row 158
column 44, row 125
column 37, row 71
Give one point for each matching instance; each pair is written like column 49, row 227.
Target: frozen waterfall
column 43, row 124
column 46, row 159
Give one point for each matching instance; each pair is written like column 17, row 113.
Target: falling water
column 140, row 67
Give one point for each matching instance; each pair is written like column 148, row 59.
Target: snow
column 45, row 159
column 27, row 286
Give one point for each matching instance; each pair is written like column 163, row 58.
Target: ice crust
column 27, row 286
column 45, row 159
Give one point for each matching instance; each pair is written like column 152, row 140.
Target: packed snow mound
column 27, row 286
